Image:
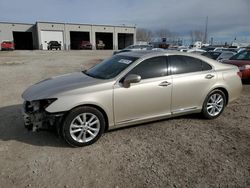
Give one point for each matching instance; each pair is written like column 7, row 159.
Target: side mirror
column 131, row 78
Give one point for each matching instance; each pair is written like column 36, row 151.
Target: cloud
column 227, row 18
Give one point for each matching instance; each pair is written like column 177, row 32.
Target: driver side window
column 151, row 68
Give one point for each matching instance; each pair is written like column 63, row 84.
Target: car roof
column 152, row 53
column 144, row 54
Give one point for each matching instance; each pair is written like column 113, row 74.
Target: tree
column 144, row 35
column 165, row 33
column 197, row 35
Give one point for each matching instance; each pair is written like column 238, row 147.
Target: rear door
column 192, row 79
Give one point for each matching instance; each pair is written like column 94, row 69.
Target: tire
column 214, row 104
column 77, row 132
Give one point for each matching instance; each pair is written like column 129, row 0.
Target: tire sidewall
column 204, row 108
column 74, row 113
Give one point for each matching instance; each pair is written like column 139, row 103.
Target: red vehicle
column 241, row 60
column 85, row 45
column 7, row 45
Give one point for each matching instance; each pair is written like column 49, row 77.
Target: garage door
column 47, row 36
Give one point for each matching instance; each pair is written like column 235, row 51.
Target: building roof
column 52, row 22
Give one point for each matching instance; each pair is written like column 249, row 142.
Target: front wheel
column 214, row 104
column 83, row 126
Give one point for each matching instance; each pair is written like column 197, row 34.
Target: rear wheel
column 83, row 126
column 214, row 104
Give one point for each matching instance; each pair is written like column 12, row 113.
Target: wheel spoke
column 213, row 110
column 75, row 126
column 209, row 107
column 92, row 134
column 93, row 123
column 84, row 136
column 84, row 117
column 91, row 119
column 219, row 101
column 79, row 136
column 79, row 119
column 213, row 98
column 75, row 131
column 218, row 109
column 92, row 129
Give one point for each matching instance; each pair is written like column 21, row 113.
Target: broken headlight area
column 36, row 117
column 39, row 105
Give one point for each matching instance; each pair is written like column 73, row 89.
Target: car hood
column 53, row 86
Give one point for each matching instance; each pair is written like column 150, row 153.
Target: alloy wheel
column 84, row 127
column 215, row 104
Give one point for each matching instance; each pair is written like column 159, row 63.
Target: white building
column 36, row 36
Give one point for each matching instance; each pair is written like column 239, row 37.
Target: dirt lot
column 181, row 152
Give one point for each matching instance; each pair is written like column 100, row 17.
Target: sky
column 227, row 19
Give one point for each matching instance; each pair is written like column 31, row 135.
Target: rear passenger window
column 206, row 66
column 151, row 68
column 185, row 64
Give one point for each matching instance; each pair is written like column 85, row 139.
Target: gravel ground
column 180, row 152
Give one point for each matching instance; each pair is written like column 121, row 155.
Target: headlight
column 41, row 104
column 46, row 102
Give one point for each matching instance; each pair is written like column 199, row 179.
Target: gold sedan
column 127, row 89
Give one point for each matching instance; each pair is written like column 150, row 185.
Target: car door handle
column 165, row 84
column 209, row 76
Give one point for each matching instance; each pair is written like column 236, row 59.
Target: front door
column 149, row 98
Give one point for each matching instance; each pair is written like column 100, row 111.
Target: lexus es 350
column 127, row 89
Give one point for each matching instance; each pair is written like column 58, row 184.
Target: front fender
column 100, row 99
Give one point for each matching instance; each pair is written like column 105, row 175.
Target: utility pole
column 205, row 37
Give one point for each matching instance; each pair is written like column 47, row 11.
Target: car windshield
column 110, row 68
column 243, row 55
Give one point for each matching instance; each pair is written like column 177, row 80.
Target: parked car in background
column 219, row 55
column 196, row 50
column 219, row 49
column 183, row 48
column 54, row 45
column 136, row 47
column 100, row 45
column 127, row 89
column 241, row 60
column 208, row 48
column 7, row 45
column 85, row 45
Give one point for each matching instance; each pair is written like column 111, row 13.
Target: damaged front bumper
column 37, row 118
